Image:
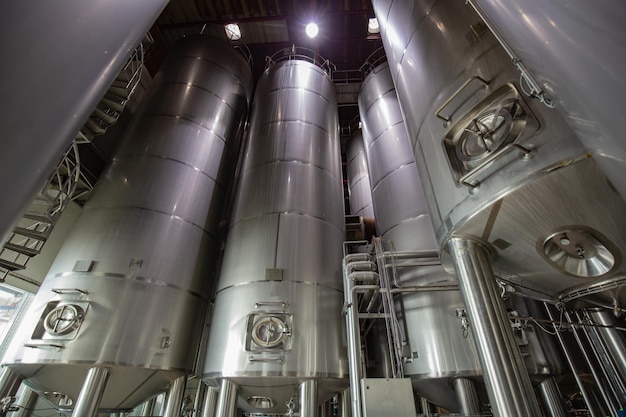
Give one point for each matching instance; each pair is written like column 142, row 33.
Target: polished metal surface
column 140, row 262
column 147, row 408
column 85, row 47
column 359, row 187
column 90, row 396
column 345, row 409
column 612, row 338
column 9, row 382
column 508, row 385
column 227, row 400
column 25, row 402
column 307, row 397
column 552, row 400
column 399, row 205
column 174, row 399
column 210, row 402
column 353, row 336
column 537, row 180
column 277, row 314
column 573, row 48
column 467, row 398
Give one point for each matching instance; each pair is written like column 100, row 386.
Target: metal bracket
column 456, row 93
column 279, row 359
column 258, row 304
column 62, row 291
column 44, row 346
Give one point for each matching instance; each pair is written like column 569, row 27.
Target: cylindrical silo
column 573, row 49
column 277, row 317
column 129, row 289
column 359, row 187
column 439, row 348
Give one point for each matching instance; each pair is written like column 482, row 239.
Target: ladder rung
column 22, row 249
column 38, row 217
column 33, row 234
column 10, row 266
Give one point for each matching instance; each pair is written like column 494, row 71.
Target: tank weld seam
column 388, row 128
column 128, row 277
column 222, row 99
column 173, row 216
column 391, row 172
column 317, row 93
column 392, row 89
column 312, row 283
column 293, row 161
column 178, row 117
column 213, row 375
column 358, row 154
column 106, row 363
column 304, row 122
column 297, row 212
column 410, row 219
column 226, row 70
column 178, row 161
column 360, row 179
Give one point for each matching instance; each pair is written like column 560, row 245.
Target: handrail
column 301, row 53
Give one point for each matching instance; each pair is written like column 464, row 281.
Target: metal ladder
column 37, row 222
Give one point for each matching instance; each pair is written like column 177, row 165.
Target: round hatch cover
column 63, row 319
column 269, row 332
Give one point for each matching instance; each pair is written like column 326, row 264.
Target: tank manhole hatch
column 499, row 120
column 268, row 332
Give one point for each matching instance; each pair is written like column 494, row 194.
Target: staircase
column 115, row 99
column 37, row 222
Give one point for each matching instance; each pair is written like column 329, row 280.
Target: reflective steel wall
column 276, row 321
column 130, row 287
column 359, row 187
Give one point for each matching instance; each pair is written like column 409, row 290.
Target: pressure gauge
column 269, row 332
column 63, row 319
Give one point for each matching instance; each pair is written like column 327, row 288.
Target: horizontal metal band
column 242, row 284
column 341, row 229
column 261, row 374
column 40, row 362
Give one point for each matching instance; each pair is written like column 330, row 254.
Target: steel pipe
column 613, row 339
column 345, row 409
column 199, row 400
column 9, row 382
column 210, row 402
column 91, row 393
column 506, row 378
column 570, row 361
column 175, row 395
column 354, row 344
column 147, row 408
column 25, row 402
column 227, row 399
column 551, row 399
column 469, row 404
column 307, row 392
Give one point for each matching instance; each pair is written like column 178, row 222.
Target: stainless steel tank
column 573, row 49
column 439, row 348
column 276, row 321
column 359, row 187
column 85, row 46
column 495, row 164
column 130, row 287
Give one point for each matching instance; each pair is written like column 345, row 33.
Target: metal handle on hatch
column 456, row 93
column 491, row 159
column 258, row 304
column 280, row 359
column 44, row 346
column 69, row 291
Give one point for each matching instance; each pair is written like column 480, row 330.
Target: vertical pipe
column 174, row 399
column 599, row 383
column 615, row 341
column 91, row 393
column 25, row 402
column 9, row 382
column 345, row 404
column 507, row 381
column 466, row 396
column 552, row 400
column 210, row 402
column 425, row 406
column 159, row 404
column 227, row 400
column 199, row 400
column 354, row 345
column 147, row 408
column 570, row 361
column 308, row 398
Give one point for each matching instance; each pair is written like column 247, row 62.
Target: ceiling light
column 232, row 31
column 372, row 26
column 312, row 30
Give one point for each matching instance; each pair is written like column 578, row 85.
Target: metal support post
column 227, row 400
column 91, row 393
column 307, row 393
column 210, row 402
column 147, row 408
column 354, row 344
column 506, row 378
column 466, row 396
column 552, row 400
column 175, row 394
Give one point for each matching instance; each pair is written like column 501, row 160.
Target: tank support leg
column 308, row 398
column 91, row 393
column 227, row 400
column 466, row 396
column 508, row 384
column 210, row 402
column 175, row 396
